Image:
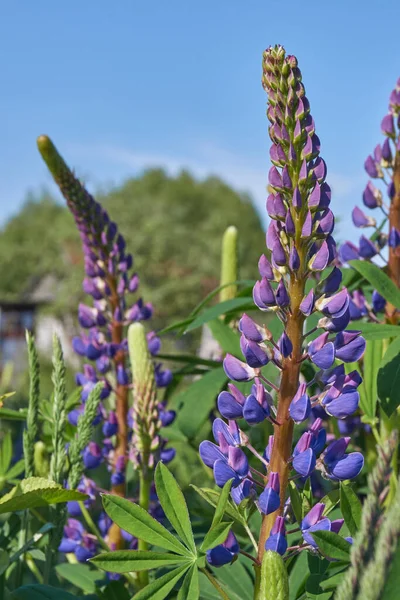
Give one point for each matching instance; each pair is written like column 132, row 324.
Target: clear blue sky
column 123, row 85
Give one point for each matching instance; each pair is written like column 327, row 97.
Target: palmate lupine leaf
column 127, row 561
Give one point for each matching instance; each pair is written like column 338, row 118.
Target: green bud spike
column 139, row 354
column 41, row 460
column 54, row 161
column 32, row 420
column 274, row 583
column 229, row 263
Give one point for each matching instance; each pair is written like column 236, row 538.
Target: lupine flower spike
column 301, row 249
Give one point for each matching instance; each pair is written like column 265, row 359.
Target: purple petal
column 265, row 269
column 237, row 370
column 209, row 453
column 304, row 463
column 307, row 304
column 253, row 412
column 348, row 467
column 343, row 406
column 268, row 501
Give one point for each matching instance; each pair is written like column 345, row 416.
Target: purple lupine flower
column 300, row 278
column 314, row 521
column 277, row 540
column 224, row 553
column 75, row 539
column 340, row 466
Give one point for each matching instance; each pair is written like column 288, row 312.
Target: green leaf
column 236, row 580
column 212, row 497
column 4, row 560
column 314, row 590
column 16, row 469
column 351, row 508
column 196, row 402
column 6, row 452
column 368, row 388
column 137, row 521
column 174, row 505
column 81, row 576
column 126, row 561
column 332, row 545
column 332, row 582
column 227, row 338
column 216, row 535
column 190, row 587
column 161, row 587
column 330, row 500
column 388, row 382
column 41, row 592
column 222, row 502
column 13, row 415
column 295, row 501
column 219, row 309
column 298, row 576
column 377, row 331
column 35, row 492
column 379, row 280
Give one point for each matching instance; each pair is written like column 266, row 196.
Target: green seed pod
column 274, row 583
column 41, row 460
column 229, row 263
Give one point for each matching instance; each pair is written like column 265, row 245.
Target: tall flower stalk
column 302, row 248
column 110, row 282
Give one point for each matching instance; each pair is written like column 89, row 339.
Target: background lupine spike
column 83, row 436
column 57, row 463
column 32, row 419
column 363, row 547
column 229, row 263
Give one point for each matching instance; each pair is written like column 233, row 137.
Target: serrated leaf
column 81, row 576
column 137, row 521
column 190, row 587
column 379, row 280
column 377, row 331
column 196, row 402
column 40, row 592
column 227, row 338
column 35, row 492
column 351, row 508
column 161, row 587
column 295, row 501
column 388, row 382
column 332, row 545
column 126, row 561
column 219, row 309
column 174, row 505
column 6, row 452
column 216, row 535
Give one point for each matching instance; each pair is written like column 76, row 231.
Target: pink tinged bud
column 285, row 345
column 86, row 316
column 282, row 297
column 315, row 197
column 307, row 226
column 300, row 110
column 294, row 259
column 275, row 178
column 307, row 304
column 320, row 260
column 289, row 224
column 237, row 370
column 297, row 131
column 371, row 167
column 296, row 200
column 250, row 329
column 372, row 197
column 279, row 206
column 133, row 283
column 367, row 248
column 307, row 151
column 292, row 156
column 272, row 235
column 278, row 253
column 271, row 205
column 286, row 181
column 313, row 516
column 303, row 171
column 265, row 269
column 360, row 219
column 319, row 169
column 277, row 539
column 300, row 407
column 263, row 294
column 387, row 125
column 269, row 500
column 387, row 152
column 257, row 405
